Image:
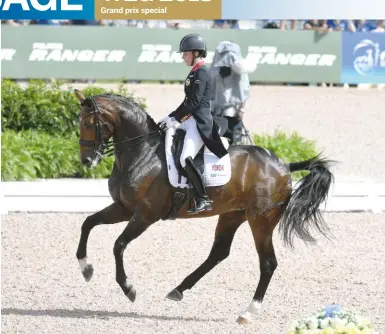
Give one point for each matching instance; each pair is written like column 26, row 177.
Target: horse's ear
column 79, row 95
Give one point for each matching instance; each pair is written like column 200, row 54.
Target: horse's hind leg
column 110, row 215
column 227, row 225
column 262, row 228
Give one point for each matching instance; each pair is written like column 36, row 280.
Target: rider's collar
column 197, row 65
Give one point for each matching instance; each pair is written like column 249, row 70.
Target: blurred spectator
column 341, row 25
column 86, row 22
column 233, row 24
column 226, row 24
column 50, row 22
column 271, row 24
column 15, row 22
column 114, row 23
column 219, row 24
column 380, row 27
column 283, row 25
column 369, row 25
column 318, row 25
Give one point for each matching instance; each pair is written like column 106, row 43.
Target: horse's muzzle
column 87, row 161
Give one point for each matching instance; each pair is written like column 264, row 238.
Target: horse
column 259, row 191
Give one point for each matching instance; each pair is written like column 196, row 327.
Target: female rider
column 195, row 116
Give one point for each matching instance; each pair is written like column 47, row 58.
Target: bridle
column 99, row 146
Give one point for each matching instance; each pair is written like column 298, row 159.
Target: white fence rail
column 79, row 195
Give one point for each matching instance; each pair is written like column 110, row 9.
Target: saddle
column 215, row 171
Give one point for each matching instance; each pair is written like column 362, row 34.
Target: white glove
column 168, row 121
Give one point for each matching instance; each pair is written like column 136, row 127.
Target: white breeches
column 192, row 141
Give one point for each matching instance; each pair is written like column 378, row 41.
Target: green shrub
column 45, row 107
column 31, row 155
column 40, row 134
column 290, row 148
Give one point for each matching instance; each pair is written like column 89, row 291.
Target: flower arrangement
column 332, row 319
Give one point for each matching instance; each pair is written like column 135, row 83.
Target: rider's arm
column 177, row 110
column 193, row 101
column 198, row 89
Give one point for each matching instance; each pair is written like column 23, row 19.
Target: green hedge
column 40, row 134
column 45, row 107
column 30, row 155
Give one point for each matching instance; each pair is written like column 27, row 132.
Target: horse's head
column 96, row 128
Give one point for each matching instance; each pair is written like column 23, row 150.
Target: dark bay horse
column 259, row 191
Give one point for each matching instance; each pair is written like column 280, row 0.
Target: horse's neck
column 134, row 140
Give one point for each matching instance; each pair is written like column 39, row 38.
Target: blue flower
column 332, row 310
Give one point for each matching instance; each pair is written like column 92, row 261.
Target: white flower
column 344, row 321
column 362, row 321
column 313, row 323
column 337, row 323
column 325, row 322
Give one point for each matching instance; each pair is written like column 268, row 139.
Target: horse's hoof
column 88, row 272
column 175, row 295
column 242, row 321
column 131, row 293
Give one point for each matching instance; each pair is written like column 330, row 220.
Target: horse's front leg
column 110, row 215
column 137, row 225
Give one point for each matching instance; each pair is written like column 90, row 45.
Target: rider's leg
column 192, row 144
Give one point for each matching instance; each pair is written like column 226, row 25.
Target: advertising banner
column 363, row 57
column 187, row 9
column 152, row 54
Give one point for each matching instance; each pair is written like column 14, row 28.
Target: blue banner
column 47, row 9
column 363, row 57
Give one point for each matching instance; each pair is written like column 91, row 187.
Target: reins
column 99, row 145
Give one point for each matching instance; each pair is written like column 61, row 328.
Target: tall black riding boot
column 203, row 203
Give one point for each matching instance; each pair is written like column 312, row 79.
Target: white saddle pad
column 217, row 171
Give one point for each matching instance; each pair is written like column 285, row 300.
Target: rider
column 195, row 116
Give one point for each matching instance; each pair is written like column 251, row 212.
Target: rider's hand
column 167, row 122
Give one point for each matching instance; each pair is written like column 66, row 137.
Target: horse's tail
column 302, row 212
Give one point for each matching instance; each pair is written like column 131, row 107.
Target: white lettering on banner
column 105, row 10
column 35, row 4
column 8, row 3
column 66, row 6
column 57, row 52
column 163, row 53
column 269, row 55
column 327, row 60
column 312, row 59
column 7, row 54
column 50, row 5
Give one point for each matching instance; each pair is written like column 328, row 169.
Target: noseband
column 99, row 145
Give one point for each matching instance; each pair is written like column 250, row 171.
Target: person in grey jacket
column 231, row 86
